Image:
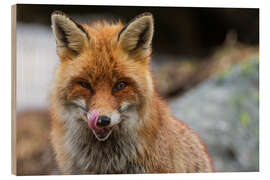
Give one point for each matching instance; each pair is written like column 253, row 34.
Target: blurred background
column 205, row 63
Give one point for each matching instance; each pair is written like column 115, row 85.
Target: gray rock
column 225, row 112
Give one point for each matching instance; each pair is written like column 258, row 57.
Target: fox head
column 103, row 80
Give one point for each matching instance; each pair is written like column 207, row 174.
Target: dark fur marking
column 124, row 28
column 142, row 37
column 63, row 34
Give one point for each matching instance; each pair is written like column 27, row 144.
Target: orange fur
column 153, row 143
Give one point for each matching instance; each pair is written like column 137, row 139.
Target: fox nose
column 103, row 121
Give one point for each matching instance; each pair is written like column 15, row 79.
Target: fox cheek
column 124, row 106
column 80, row 103
column 115, row 117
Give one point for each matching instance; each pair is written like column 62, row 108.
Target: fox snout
column 97, row 120
column 102, row 124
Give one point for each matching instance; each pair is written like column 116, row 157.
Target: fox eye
column 120, row 86
column 85, row 85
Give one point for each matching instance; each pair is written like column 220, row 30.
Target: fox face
column 103, row 80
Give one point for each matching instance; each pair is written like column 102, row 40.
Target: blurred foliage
column 178, row 76
column 226, row 116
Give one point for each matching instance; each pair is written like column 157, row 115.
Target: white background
column 5, row 82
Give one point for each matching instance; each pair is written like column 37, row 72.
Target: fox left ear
column 70, row 36
column 136, row 36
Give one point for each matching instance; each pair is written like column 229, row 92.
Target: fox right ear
column 136, row 37
column 70, row 36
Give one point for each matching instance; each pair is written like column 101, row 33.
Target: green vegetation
column 238, row 100
column 244, row 118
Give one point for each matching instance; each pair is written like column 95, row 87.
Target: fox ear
column 136, row 36
column 70, row 36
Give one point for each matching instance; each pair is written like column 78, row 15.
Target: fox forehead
column 103, row 34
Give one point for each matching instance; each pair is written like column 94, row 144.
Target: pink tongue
column 92, row 119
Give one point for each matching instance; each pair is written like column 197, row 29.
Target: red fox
column 106, row 114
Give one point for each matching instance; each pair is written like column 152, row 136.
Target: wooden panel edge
column 13, row 88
